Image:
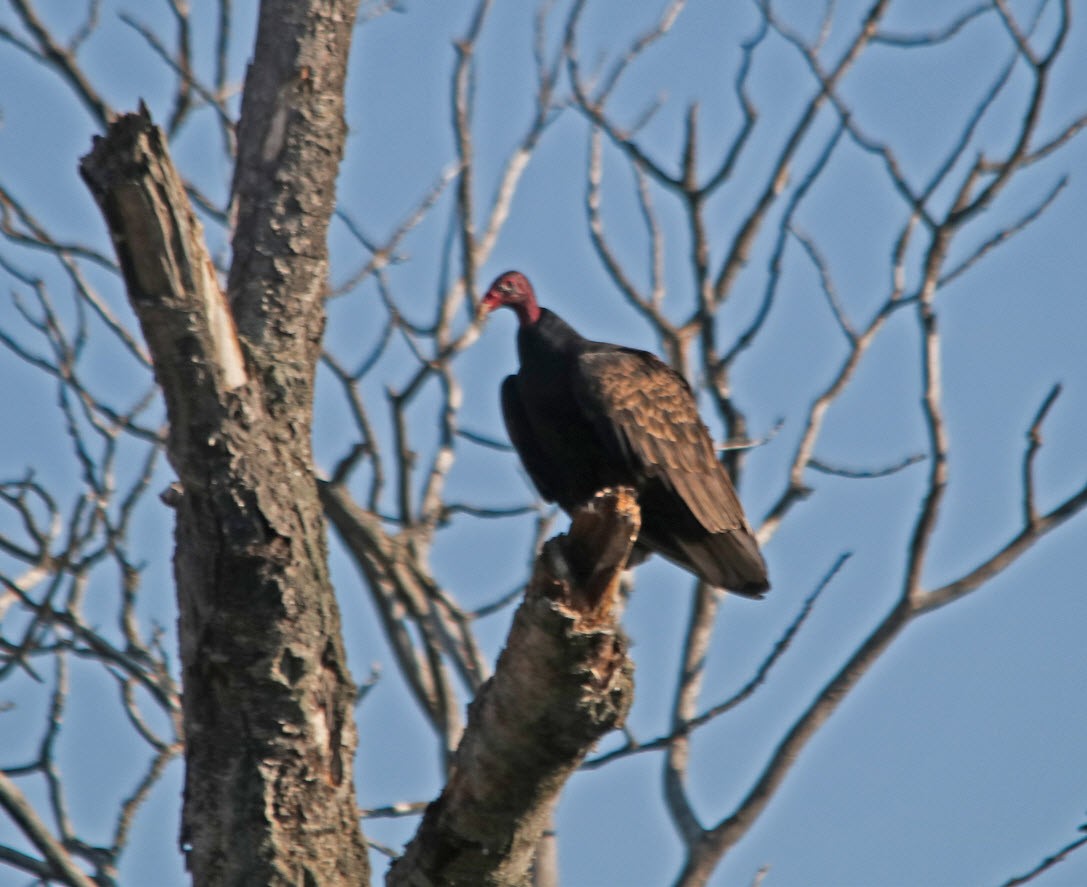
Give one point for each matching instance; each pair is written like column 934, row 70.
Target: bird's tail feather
column 729, row 560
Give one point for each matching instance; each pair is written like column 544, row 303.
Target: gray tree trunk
column 267, row 698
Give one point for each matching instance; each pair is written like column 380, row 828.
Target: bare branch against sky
column 847, row 224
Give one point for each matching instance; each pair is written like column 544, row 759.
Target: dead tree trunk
column 267, row 698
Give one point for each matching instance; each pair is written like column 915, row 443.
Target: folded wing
column 645, row 414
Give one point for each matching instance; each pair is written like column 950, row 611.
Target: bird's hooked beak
column 486, row 305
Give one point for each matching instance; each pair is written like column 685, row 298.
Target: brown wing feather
column 650, row 414
column 645, row 414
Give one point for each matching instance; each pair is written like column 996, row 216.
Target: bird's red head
column 512, row 290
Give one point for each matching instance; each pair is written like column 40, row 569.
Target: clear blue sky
column 958, row 759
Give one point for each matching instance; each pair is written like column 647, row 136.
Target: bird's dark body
column 585, row 415
column 569, row 464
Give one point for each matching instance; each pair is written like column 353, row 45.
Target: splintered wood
column 589, row 560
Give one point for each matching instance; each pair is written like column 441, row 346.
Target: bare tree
column 222, row 376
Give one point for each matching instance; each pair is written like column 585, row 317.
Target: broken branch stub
column 563, row 681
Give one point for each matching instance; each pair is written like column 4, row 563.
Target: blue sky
column 958, row 758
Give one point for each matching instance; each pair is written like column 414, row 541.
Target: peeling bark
column 267, row 697
column 563, row 681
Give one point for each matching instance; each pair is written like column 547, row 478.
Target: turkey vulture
column 586, row 415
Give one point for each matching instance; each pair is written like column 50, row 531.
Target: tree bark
column 267, row 697
column 563, row 681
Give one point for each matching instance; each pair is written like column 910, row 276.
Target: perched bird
column 586, row 415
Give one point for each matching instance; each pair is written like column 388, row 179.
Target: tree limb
column 59, row 863
column 563, row 681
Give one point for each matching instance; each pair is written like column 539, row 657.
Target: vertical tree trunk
column 269, row 729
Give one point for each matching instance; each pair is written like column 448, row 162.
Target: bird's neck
column 548, row 334
column 528, row 312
